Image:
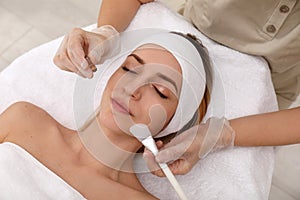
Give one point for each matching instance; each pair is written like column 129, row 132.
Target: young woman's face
column 144, row 89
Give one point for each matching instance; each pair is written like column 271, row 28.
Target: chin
column 107, row 121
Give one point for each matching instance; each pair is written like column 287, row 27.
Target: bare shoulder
column 23, row 111
column 23, row 116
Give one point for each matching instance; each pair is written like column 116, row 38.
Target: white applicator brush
column 143, row 134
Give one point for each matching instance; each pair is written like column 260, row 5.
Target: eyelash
column 158, row 92
column 128, row 70
column 155, row 88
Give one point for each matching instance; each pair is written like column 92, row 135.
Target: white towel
column 242, row 173
column 24, row 177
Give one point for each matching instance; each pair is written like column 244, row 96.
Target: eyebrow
column 162, row 76
column 139, row 59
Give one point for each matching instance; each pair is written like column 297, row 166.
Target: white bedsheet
column 241, row 173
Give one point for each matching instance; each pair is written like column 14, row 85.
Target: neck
column 112, row 150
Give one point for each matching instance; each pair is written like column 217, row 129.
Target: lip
column 120, row 107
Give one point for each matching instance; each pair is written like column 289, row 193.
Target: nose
column 136, row 95
column 134, row 91
column 133, row 86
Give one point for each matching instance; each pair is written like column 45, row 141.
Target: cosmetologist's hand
column 186, row 149
column 81, row 50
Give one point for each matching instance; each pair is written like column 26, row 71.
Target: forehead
column 152, row 53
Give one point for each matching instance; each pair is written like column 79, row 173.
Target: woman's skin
column 270, row 129
column 61, row 150
column 122, row 10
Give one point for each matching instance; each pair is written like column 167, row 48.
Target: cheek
column 113, row 80
column 143, row 109
column 110, row 87
column 105, row 104
column 170, row 109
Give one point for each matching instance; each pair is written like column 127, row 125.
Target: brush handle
column 173, row 180
column 150, row 144
column 143, row 134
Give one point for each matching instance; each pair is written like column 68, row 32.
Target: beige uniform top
column 269, row 28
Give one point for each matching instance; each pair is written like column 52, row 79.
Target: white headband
column 88, row 93
column 193, row 78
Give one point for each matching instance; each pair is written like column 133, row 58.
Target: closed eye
column 159, row 92
column 128, row 70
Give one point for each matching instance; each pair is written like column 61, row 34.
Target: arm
column 269, row 129
column 118, row 13
column 9, row 118
column 22, row 118
column 5, row 119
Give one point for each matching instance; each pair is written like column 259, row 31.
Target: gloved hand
column 81, row 50
column 185, row 150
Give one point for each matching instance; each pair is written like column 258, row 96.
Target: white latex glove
column 81, row 50
column 186, row 149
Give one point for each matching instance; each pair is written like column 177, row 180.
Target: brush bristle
column 140, row 131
